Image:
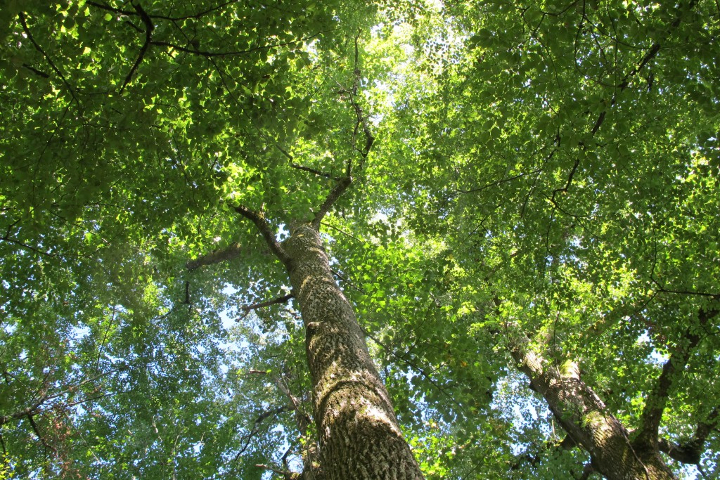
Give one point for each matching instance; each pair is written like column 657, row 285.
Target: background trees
column 543, row 185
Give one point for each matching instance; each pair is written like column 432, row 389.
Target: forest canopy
column 359, row 240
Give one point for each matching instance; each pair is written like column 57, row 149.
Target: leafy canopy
column 540, row 168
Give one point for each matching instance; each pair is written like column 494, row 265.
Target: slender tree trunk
column 359, row 434
column 588, row 421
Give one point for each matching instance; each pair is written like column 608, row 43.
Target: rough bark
column 359, row 434
column 587, row 420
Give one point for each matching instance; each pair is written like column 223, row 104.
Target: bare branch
column 40, row 436
column 256, row 427
column 302, row 418
column 208, row 54
column 160, row 17
column 409, row 361
column 36, row 71
column 26, row 246
column 361, row 122
column 647, row 58
column 497, row 182
column 286, row 475
column 216, row 256
column 199, row 14
column 111, row 9
column 361, row 118
column 15, row 416
column 567, row 184
column 186, row 301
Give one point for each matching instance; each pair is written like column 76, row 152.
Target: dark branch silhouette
column 149, row 27
column 26, row 29
column 266, row 231
column 691, row 450
column 657, row 399
column 249, row 308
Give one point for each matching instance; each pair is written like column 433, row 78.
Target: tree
column 211, row 82
column 487, row 182
column 559, row 157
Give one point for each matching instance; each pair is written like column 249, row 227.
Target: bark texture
column 587, row 420
column 359, row 434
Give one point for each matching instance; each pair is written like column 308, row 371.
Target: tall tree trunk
column 359, row 435
column 588, row 421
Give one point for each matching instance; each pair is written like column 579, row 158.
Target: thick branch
column 266, row 231
column 40, row 436
column 26, row 246
column 208, row 54
column 36, row 71
column 567, row 184
column 286, row 475
column 547, row 449
column 361, row 122
column 199, row 14
column 657, row 399
column 652, row 53
column 216, row 256
column 302, row 418
column 312, row 170
column 691, row 450
column 16, row 416
column 162, row 17
column 647, row 58
column 497, row 182
column 361, row 118
column 111, row 9
column 256, row 427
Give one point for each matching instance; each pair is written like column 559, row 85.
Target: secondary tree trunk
column 584, row 416
column 359, row 434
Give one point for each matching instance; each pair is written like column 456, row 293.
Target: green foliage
column 540, row 167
